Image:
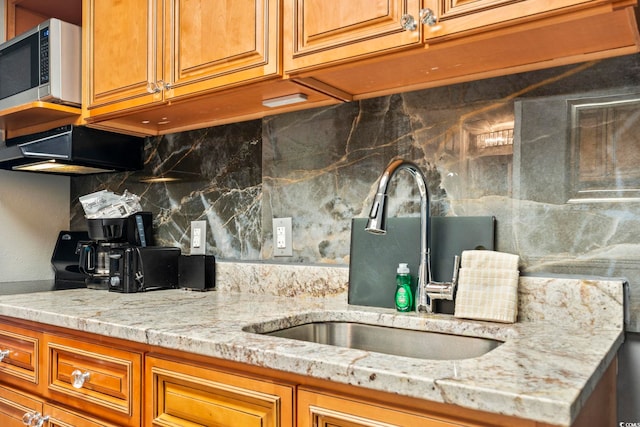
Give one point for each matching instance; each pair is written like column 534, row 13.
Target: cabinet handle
column 158, row 86
column 408, row 22
column 79, row 378
column 428, row 17
column 3, row 354
column 34, row 419
column 153, row 87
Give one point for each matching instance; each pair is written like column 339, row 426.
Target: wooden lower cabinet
column 130, row 384
column 100, row 379
column 60, row 417
column 326, row 408
column 321, row 409
column 184, row 394
column 67, row 379
column 16, row 405
column 19, row 356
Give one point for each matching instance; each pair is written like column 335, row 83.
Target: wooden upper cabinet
column 23, row 15
column 141, row 52
column 464, row 17
column 215, row 44
column 122, row 54
column 325, row 32
column 185, row 64
column 471, row 40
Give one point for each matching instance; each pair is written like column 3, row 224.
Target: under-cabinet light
column 62, row 168
column 169, row 177
column 159, row 179
column 284, row 100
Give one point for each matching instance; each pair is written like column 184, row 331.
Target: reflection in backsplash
column 578, row 210
column 552, row 154
column 605, row 136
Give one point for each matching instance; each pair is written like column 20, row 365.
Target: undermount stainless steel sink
column 388, row 340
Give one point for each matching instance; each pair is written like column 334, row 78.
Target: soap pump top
column 403, row 268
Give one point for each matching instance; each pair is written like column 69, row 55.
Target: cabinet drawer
column 14, row 405
column 60, row 417
column 107, row 380
column 20, row 350
column 181, row 394
column 323, row 409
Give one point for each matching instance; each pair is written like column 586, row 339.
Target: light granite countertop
column 552, row 358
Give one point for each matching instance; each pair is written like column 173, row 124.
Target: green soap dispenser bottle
column 404, row 298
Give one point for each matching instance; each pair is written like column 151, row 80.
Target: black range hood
column 73, row 150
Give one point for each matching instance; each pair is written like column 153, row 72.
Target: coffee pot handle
column 86, row 264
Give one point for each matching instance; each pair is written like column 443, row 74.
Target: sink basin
column 388, row 340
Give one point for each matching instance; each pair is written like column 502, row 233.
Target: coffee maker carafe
column 94, row 263
column 106, row 233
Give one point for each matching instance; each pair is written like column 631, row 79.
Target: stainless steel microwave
column 42, row 64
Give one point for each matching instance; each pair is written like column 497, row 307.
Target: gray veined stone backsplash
column 221, row 182
column 552, row 154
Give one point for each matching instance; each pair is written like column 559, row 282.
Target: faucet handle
column 454, row 280
column 456, row 270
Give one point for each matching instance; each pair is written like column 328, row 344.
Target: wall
column 33, row 210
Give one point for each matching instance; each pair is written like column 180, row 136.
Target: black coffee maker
column 107, row 233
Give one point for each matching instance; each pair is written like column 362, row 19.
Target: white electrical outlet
column 198, row 237
column 282, row 239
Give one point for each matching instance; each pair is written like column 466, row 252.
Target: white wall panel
column 33, row 209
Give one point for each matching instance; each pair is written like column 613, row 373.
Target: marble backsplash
column 551, row 154
column 585, row 302
column 213, row 174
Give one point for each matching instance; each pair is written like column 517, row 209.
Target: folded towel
column 488, row 286
column 489, row 259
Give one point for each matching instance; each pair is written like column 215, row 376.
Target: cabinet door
column 122, row 49
column 217, row 44
column 180, row 394
column 468, row 16
column 326, row 32
column 319, row 409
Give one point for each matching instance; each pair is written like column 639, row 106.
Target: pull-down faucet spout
column 427, row 290
column 378, row 215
